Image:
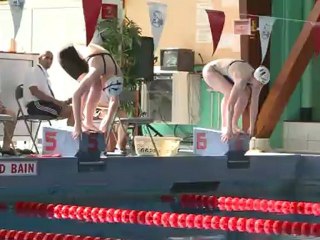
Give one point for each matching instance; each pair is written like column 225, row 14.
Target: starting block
column 59, row 140
column 207, row 142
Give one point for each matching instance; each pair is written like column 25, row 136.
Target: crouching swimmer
column 98, row 73
column 240, row 84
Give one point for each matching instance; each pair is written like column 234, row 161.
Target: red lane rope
column 246, row 204
column 22, row 235
column 167, row 219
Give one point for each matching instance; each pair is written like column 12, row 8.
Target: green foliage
column 119, row 39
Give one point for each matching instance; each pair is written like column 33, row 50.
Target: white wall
column 45, row 25
column 48, row 25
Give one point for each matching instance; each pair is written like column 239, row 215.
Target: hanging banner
column 91, row 11
column 216, row 20
column 157, row 14
column 97, row 39
column 265, row 29
column 316, row 39
column 16, row 8
column 242, row 27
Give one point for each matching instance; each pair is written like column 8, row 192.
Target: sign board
column 18, row 168
column 242, row 27
column 59, row 140
column 109, row 11
column 207, row 142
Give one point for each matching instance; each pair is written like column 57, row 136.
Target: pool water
column 236, row 201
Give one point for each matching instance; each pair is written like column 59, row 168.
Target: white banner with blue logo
column 265, row 29
column 16, row 7
column 157, row 13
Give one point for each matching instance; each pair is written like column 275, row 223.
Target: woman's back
column 229, row 67
column 85, row 51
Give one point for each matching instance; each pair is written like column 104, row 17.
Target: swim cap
column 262, row 75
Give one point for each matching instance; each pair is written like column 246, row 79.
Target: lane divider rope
column 167, row 219
column 245, row 204
column 6, row 234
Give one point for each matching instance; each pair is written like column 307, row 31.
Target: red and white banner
column 157, row 15
column 242, row 27
column 216, row 20
column 91, row 11
column 16, row 8
column 265, row 29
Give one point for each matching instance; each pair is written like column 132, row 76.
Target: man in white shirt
column 38, row 95
column 9, row 127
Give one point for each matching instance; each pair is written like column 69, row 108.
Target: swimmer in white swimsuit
column 240, row 84
column 98, row 73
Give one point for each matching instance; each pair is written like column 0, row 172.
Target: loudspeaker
column 306, row 114
column 143, row 67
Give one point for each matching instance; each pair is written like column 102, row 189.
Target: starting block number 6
column 201, row 141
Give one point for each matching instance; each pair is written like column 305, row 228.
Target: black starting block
column 91, row 145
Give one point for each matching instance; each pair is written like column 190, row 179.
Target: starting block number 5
column 92, row 143
column 52, row 139
column 201, row 139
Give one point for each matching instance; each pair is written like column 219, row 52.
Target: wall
column 45, row 25
column 306, row 92
column 48, row 25
column 181, row 29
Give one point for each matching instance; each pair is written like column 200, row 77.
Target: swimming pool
column 125, row 201
column 150, row 216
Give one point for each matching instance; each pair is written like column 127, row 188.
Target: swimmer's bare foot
column 237, row 130
column 89, row 127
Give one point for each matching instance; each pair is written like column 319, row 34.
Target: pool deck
column 139, row 174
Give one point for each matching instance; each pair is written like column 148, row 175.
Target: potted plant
column 119, row 38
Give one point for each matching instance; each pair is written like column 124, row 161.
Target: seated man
column 38, row 95
column 9, row 127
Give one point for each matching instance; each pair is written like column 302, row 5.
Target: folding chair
column 30, row 118
column 132, row 123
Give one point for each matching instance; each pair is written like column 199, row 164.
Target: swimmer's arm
column 254, row 105
column 236, row 90
column 83, row 87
